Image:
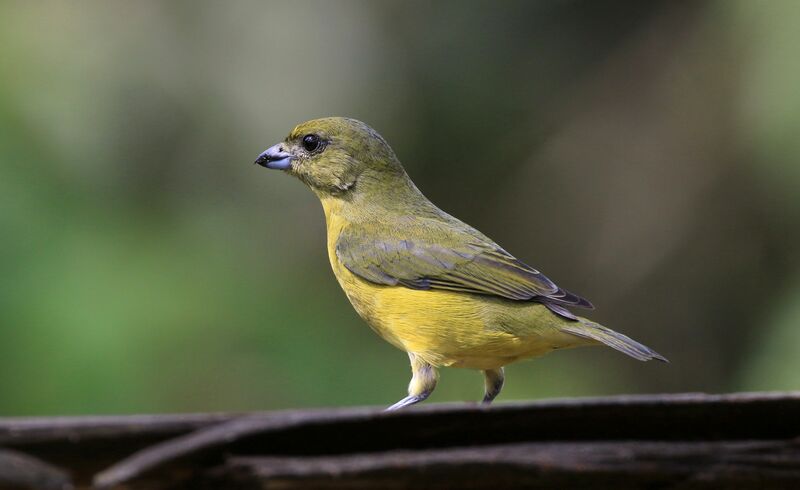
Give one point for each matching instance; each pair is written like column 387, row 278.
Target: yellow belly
column 455, row 329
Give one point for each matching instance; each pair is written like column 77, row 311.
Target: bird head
column 337, row 157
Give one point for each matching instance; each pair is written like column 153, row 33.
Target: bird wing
column 447, row 257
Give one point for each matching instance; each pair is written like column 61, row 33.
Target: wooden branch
column 612, row 465
column 682, row 441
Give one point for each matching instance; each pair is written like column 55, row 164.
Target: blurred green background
column 643, row 154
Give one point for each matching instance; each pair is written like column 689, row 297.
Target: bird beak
column 275, row 157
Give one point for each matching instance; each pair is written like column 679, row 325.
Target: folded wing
column 449, row 258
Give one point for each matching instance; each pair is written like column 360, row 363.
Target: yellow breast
column 444, row 327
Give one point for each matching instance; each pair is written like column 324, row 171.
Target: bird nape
column 425, row 281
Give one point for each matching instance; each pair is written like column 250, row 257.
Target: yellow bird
column 426, row 282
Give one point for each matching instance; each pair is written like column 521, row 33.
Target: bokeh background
column 644, row 154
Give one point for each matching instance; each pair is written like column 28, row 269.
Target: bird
column 423, row 280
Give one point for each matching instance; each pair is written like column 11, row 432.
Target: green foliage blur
column 643, row 154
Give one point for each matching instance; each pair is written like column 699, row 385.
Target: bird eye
column 311, row 142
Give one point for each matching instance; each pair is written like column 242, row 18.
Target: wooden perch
column 675, row 441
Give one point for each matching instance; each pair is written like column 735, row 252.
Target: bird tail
column 594, row 331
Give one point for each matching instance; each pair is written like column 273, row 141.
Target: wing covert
column 467, row 263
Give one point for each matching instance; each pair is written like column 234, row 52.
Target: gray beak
column 275, row 157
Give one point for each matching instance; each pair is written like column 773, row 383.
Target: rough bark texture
column 663, row 441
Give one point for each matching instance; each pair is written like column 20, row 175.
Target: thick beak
column 275, row 157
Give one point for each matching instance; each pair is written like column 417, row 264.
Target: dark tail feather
column 615, row 340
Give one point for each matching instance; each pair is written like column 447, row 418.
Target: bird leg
column 493, row 378
column 423, row 381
